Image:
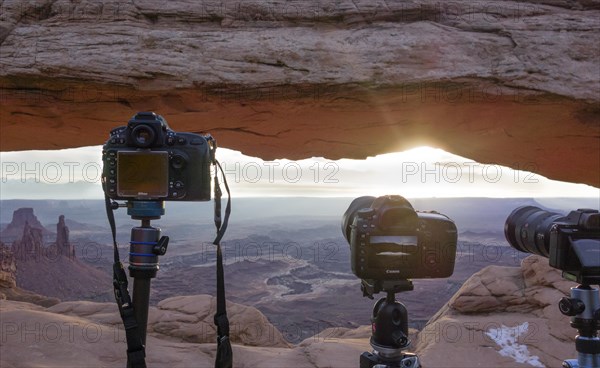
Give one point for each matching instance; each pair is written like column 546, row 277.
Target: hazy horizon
column 422, row 172
column 475, row 214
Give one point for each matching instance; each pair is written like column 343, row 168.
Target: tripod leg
column 141, row 300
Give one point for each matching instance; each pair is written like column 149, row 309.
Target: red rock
column 8, row 268
column 516, row 85
column 15, row 229
column 525, row 302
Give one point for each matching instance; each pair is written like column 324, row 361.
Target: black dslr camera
column 572, row 242
column 146, row 160
column 389, row 240
column 391, row 243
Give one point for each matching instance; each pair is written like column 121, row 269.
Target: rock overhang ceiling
column 517, row 85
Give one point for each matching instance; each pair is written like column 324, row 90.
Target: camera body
column 389, row 240
column 571, row 243
column 575, row 245
column 148, row 161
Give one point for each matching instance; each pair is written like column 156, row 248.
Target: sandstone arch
column 515, row 84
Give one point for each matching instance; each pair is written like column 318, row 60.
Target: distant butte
column 21, row 218
column 517, row 86
column 47, row 265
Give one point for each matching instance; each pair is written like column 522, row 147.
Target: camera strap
column 136, row 351
column 224, row 358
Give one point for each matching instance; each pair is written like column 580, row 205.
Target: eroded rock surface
column 501, row 317
column 8, row 282
column 187, row 318
column 508, row 82
column 181, row 335
column 51, row 268
column 8, row 268
column 63, row 245
column 517, row 306
column 22, row 217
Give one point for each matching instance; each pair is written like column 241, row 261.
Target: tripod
column 584, row 309
column 389, row 324
column 145, row 247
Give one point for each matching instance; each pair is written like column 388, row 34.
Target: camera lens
column 143, row 136
column 527, row 229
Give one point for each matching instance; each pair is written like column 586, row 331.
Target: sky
column 421, row 172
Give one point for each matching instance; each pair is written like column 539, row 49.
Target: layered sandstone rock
column 501, row 317
column 63, row 245
column 181, row 335
column 31, row 245
column 505, row 317
column 8, row 282
column 508, row 82
column 187, row 319
column 8, row 268
column 51, row 269
column 22, row 217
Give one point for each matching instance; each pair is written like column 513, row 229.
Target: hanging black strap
column 136, row 352
column 135, row 348
column 224, row 358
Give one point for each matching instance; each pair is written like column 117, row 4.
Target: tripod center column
column 143, row 261
column 143, row 258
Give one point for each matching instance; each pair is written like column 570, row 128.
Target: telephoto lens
column 527, row 229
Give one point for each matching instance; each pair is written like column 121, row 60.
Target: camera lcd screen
column 143, row 174
column 399, row 240
column 393, row 252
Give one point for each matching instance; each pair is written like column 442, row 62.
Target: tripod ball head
column 390, row 325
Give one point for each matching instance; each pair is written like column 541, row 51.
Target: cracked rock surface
column 511, row 303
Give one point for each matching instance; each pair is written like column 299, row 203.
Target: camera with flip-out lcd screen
column 148, row 161
column 389, row 240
